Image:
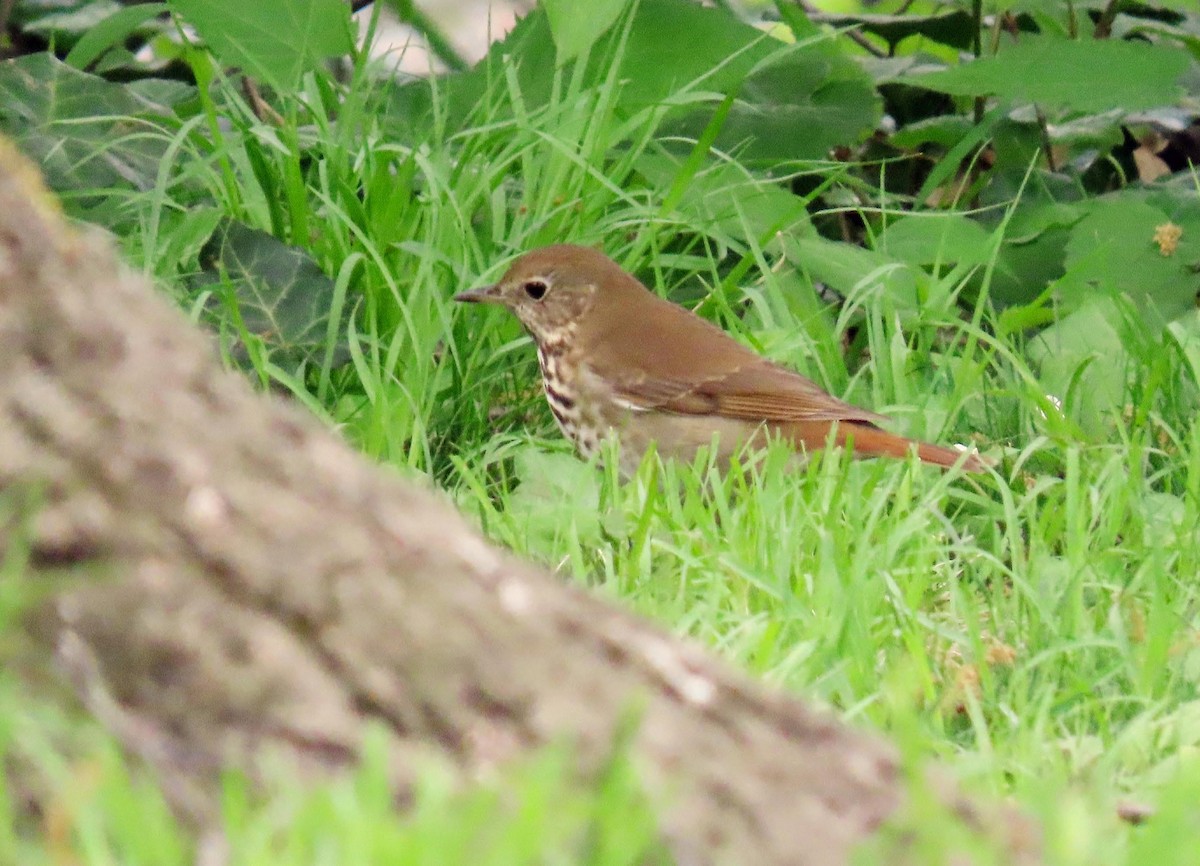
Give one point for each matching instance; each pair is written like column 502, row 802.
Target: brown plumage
column 618, row 359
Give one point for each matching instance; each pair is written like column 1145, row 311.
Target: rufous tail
column 869, row 441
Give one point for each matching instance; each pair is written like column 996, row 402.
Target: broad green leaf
column 719, row 51
column 853, row 271
column 790, row 101
column 797, row 105
column 1032, row 218
column 1082, row 360
column 937, row 239
column 1185, row 332
column 279, row 294
column 553, row 484
column 182, row 237
column 68, row 21
column 89, row 135
column 1113, row 251
column 111, row 31
column 576, row 26
column 944, row 130
column 1080, row 76
column 726, row 202
column 275, row 41
column 1122, row 278
column 1031, row 257
column 955, row 28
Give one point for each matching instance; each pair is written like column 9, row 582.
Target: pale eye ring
column 535, row 289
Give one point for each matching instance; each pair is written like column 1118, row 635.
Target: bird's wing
column 666, row 358
column 760, row 391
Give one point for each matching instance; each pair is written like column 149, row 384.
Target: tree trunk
column 245, row 581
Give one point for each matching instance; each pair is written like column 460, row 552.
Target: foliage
column 1000, row 247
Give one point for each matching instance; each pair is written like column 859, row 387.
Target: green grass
column 1034, row 628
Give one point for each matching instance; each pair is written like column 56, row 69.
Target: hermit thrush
column 617, row 359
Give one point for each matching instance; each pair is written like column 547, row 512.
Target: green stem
column 408, row 13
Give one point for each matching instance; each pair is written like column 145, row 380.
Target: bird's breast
column 560, row 381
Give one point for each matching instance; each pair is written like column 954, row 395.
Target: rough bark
column 247, row 581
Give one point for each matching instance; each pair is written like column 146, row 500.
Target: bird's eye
column 536, row 289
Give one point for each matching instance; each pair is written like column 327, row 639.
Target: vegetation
column 994, row 264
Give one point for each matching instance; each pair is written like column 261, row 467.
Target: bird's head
column 553, row 289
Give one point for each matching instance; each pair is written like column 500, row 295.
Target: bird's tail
column 870, row 441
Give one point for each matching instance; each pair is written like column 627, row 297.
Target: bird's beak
column 482, row 295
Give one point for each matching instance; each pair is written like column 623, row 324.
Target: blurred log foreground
column 243, row 582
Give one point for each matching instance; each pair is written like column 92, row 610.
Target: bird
column 618, row 360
